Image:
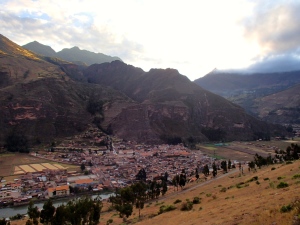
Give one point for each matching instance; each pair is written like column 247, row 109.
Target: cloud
column 79, row 30
column 275, row 26
column 278, row 63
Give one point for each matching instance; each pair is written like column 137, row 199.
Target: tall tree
column 123, row 200
column 33, row 213
column 139, row 191
column 47, row 212
column 215, row 171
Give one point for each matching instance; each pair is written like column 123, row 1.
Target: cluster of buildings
column 104, row 163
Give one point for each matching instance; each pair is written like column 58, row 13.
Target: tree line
column 79, row 211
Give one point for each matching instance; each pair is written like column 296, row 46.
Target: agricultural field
column 244, row 151
column 14, row 164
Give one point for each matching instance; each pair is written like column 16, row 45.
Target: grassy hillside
column 230, row 199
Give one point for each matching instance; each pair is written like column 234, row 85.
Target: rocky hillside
column 74, row 55
column 46, row 98
column 40, row 100
column 248, row 90
column 283, row 106
column 171, row 107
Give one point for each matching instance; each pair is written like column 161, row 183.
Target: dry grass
column 253, row 203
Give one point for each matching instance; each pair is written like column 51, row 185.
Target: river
column 12, row 211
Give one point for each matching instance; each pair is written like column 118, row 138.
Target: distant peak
column 75, row 48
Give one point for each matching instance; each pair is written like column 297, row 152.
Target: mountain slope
column 247, row 90
column 40, row 49
column 171, row 106
column 74, row 55
column 47, row 98
column 40, row 99
column 283, row 107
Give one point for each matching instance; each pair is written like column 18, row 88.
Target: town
column 106, row 164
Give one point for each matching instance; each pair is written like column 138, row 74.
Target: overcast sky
column 193, row 36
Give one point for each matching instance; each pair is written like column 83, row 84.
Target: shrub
column 282, row 185
column 296, row 176
column 289, row 162
column 196, row 200
column 279, row 178
column 273, row 168
column 208, row 195
column 223, row 189
column 286, row 208
column 253, row 179
column 109, row 221
column 177, row 201
column 257, row 182
column 266, row 178
column 166, row 208
column 186, row 206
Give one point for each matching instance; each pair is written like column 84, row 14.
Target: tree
column 141, row 175
column 197, row 174
column 123, row 200
column 139, row 192
column 215, row 171
column 229, row 164
column 182, row 179
column 83, row 211
column 82, row 167
column 164, row 187
column 205, row 170
column 16, row 143
column 60, row 215
column 47, row 212
column 33, row 213
column 175, row 181
column 224, row 166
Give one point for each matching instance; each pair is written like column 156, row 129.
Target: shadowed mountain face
column 171, row 106
column 259, row 93
column 46, row 98
column 74, row 55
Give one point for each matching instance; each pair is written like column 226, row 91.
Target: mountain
column 74, row 55
column 170, row 107
column 39, row 98
column 283, row 106
column 40, row 49
column 45, row 98
column 248, row 90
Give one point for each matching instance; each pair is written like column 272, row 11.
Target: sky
column 192, row 36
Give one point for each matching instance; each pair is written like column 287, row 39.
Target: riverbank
column 6, row 212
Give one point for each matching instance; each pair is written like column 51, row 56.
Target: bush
column 166, row 208
column 196, row 200
column 186, row 206
column 279, row 178
column 273, row 168
column 296, row 176
column 286, row 208
column 253, row 179
column 177, row 201
column 282, row 185
column 266, row 178
column 223, row 189
column 289, row 162
column 109, row 221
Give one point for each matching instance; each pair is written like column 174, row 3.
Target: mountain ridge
column 248, row 90
column 159, row 106
column 74, row 54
